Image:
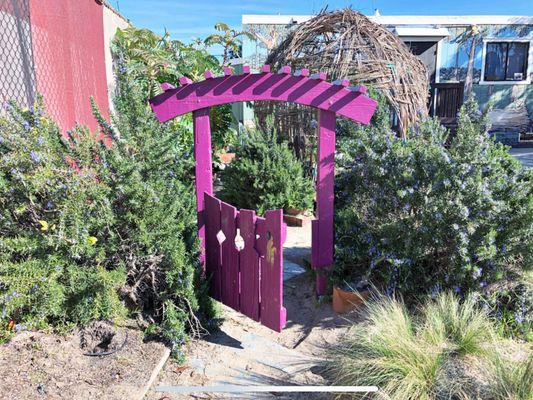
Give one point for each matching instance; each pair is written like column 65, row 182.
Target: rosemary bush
column 426, row 214
column 95, row 232
column 54, row 219
column 420, row 216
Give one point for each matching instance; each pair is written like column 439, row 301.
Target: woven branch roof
column 346, row 44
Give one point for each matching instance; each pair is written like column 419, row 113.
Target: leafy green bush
column 90, row 232
column 418, row 217
column 53, row 221
column 511, row 303
column 266, row 175
column 448, row 350
column 150, row 174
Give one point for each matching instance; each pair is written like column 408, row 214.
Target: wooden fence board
column 230, row 257
column 249, row 266
column 273, row 314
column 213, row 253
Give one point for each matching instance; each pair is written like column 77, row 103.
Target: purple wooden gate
column 250, row 280
column 244, row 260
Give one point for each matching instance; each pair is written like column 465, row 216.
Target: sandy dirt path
column 246, row 353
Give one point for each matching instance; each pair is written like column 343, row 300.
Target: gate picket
column 249, row 266
column 230, row 257
column 273, row 314
column 213, row 262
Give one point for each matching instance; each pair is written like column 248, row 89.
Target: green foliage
column 417, row 216
column 150, row 59
column 229, row 39
column 511, row 302
column 381, row 119
column 265, row 175
column 89, row 231
column 510, row 380
column 150, row 173
column 447, row 350
column 147, row 60
column 53, row 222
column 467, row 329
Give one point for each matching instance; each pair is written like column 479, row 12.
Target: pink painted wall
column 69, row 53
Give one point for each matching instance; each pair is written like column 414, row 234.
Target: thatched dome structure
column 347, row 44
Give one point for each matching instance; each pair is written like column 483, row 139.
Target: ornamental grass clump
column 510, row 380
column 447, row 349
column 460, row 323
column 431, row 213
column 265, row 175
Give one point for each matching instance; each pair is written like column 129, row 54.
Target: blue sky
column 186, row 20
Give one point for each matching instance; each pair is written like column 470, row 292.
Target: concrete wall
column 112, row 22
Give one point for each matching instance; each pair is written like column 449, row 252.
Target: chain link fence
column 17, row 69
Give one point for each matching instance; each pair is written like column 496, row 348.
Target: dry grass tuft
column 448, row 350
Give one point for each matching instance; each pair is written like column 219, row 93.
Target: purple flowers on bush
column 448, row 209
column 36, row 158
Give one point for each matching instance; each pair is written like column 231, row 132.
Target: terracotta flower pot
column 345, row 301
column 225, row 158
column 293, row 211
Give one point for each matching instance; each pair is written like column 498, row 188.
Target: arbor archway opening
column 251, row 281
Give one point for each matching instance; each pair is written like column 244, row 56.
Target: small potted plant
column 350, row 295
column 224, row 146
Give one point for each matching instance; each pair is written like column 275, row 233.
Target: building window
column 506, row 61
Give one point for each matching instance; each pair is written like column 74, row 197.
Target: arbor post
column 322, row 232
column 203, row 170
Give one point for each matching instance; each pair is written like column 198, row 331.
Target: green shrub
column 511, row 302
column 53, row 221
column 266, row 175
column 446, row 351
column 150, row 174
column 418, row 217
column 147, row 60
column 89, row 232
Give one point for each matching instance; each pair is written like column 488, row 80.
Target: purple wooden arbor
column 331, row 99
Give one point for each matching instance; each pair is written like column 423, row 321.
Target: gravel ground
column 244, row 352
